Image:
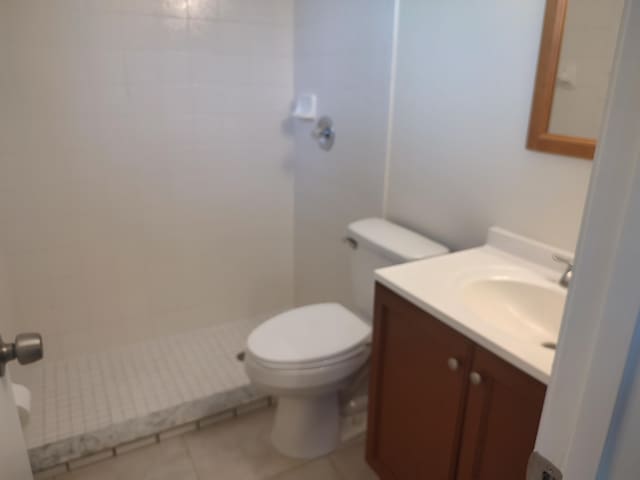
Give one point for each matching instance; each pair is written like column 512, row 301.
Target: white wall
column 6, row 307
column 590, row 35
column 464, row 85
column 343, row 54
column 145, row 187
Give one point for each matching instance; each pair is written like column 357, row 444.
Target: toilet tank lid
column 393, row 240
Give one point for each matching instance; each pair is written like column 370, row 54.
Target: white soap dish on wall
column 306, row 107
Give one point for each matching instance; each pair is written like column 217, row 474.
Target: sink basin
column 528, row 311
column 504, row 296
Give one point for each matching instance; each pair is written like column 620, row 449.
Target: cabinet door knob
column 476, row 378
column 453, row 363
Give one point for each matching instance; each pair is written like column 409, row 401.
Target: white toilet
column 307, row 355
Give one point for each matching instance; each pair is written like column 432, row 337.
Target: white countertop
column 434, row 286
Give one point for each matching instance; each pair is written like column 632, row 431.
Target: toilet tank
column 378, row 243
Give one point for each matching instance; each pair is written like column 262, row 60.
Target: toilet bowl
column 306, row 356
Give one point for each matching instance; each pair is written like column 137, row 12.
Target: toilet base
column 307, row 426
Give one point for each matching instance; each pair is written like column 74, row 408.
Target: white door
column 578, row 432
column 14, row 463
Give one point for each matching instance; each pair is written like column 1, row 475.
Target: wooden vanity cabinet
column 416, row 402
column 427, row 419
column 501, row 421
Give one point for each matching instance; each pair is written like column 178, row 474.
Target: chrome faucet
column 565, row 280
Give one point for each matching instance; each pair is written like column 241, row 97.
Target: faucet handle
column 563, row 260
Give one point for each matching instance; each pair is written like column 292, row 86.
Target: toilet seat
column 309, row 337
column 327, row 362
column 307, row 380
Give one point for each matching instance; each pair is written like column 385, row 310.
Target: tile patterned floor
column 237, row 449
column 89, row 392
column 100, row 400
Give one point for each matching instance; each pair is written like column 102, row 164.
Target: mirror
column 576, row 58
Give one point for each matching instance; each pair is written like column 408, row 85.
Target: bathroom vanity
column 460, row 361
column 441, row 404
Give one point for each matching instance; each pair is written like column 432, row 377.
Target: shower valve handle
column 324, row 133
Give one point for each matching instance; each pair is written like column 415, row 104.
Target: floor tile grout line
column 190, row 456
column 335, row 468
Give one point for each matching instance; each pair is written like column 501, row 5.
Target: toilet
column 307, row 355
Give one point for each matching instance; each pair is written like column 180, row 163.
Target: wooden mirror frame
column 550, row 48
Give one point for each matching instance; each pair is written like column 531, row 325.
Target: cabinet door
column 416, row 398
column 501, row 421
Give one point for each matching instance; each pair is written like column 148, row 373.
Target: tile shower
column 142, row 234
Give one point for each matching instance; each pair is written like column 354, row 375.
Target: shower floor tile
column 90, row 403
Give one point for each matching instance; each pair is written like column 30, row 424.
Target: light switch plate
column 540, row 468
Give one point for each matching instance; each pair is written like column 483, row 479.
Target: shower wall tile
column 7, row 312
column 266, row 11
column 145, row 178
column 350, row 71
column 6, row 305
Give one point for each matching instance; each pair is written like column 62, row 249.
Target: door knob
column 453, row 363
column 26, row 348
